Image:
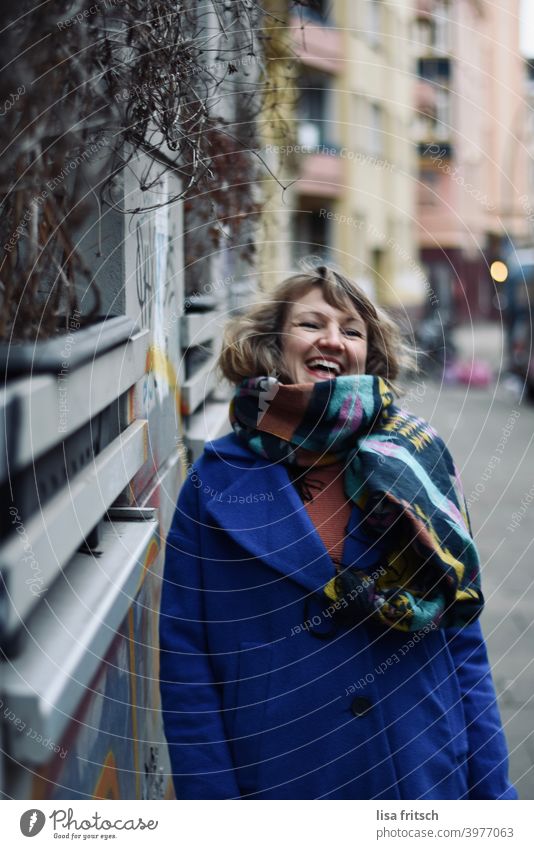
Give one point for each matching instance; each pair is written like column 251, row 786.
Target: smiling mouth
column 324, row 369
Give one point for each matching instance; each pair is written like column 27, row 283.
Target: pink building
column 471, row 113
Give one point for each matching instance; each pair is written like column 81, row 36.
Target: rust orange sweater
column 322, row 491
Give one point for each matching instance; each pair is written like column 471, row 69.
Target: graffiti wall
column 79, row 695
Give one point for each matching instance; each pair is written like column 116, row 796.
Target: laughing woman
column 319, row 633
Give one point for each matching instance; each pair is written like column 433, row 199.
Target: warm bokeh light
column 499, row 271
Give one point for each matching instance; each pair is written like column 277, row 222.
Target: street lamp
column 499, row 271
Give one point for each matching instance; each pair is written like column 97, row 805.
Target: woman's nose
column 331, row 336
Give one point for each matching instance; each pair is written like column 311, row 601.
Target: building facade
column 346, row 153
column 469, row 122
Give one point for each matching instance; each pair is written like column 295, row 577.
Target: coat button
column 360, row 706
column 315, row 622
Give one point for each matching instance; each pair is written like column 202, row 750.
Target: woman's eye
column 308, row 324
column 352, row 332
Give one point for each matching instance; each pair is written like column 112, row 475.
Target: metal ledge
column 33, row 557
column 197, row 328
column 52, row 407
column 67, row 637
column 210, row 422
column 199, row 386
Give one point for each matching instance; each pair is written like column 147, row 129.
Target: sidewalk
column 479, row 424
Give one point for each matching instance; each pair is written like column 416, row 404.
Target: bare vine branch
column 83, row 91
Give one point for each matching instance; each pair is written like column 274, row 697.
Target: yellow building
column 346, row 151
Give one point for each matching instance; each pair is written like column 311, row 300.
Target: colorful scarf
column 398, row 471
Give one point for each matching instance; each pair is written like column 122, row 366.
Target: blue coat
column 266, row 696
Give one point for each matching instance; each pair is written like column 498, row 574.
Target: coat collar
column 262, row 511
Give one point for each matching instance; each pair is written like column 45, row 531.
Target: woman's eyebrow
column 321, row 315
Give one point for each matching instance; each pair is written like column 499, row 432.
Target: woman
column 319, row 633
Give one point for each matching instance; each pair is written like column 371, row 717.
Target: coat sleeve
column 200, row 755
column 488, row 754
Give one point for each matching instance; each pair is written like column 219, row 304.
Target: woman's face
column 321, row 342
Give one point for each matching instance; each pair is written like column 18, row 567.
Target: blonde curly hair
column 252, row 341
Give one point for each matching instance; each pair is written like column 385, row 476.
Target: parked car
column 434, row 339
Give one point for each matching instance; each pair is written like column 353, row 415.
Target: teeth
column 325, row 363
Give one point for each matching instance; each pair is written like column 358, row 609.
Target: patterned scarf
column 398, row 471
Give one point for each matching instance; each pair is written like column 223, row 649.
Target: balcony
column 317, row 46
column 424, row 8
column 425, row 95
column 321, row 175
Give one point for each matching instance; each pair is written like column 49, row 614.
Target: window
column 378, row 257
column 433, row 123
column 443, row 119
column 435, row 70
column 314, row 110
column 442, row 39
column 376, row 130
column 423, row 35
column 428, row 187
column 374, row 20
column 318, row 10
column 433, row 34
column 312, row 232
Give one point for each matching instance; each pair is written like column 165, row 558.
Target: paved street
column 491, row 437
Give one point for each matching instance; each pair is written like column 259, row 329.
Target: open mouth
column 324, row 369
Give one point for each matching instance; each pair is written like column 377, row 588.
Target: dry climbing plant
column 85, row 89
